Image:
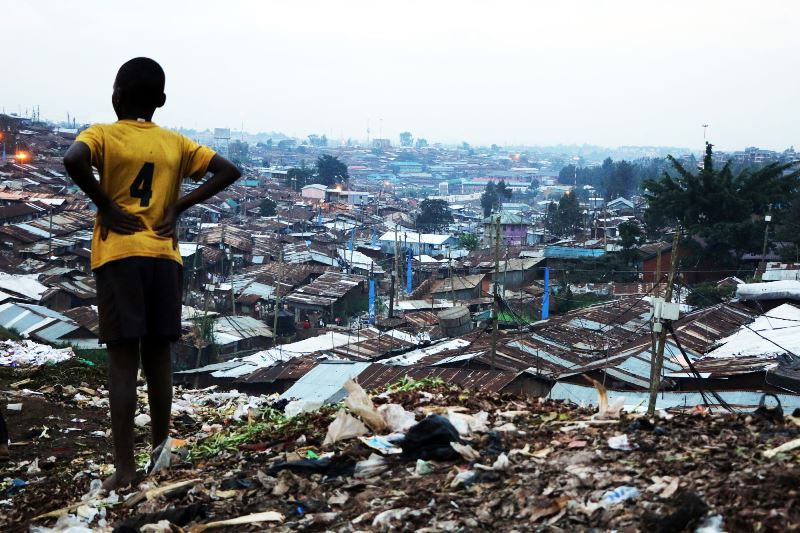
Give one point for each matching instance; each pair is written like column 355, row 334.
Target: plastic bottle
column 620, row 494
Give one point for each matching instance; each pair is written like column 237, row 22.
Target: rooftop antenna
column 705, row 127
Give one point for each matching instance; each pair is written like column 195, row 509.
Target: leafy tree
column 331, row 171
column 297, row 178
column 630, row 233
column 725, row 210
column 493, row 197
column 468, row 241
column 569, row 214
column 406, row 139
column 421, row 143
column 489, row 199
column 433, row 215
column 267, row 207
column 238, row 152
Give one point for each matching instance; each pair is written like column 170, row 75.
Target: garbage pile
column 27, row 353
column 428, row 458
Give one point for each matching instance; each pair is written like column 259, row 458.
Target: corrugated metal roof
column 324, row 382
column 378, row 375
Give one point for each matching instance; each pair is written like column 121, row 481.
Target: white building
column 314, row 192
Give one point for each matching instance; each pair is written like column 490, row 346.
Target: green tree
column 406, row 139
column 433, row 215
column 331, row 171
column 630, row 233
column 468, row 241
column 489, row 199
column 725, row 210
column 569, row 214
column 238, row 152
column 297, row 178
column 267, row 207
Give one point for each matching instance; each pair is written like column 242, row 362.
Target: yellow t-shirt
column 141, row 167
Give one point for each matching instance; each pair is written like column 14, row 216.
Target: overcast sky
column 537, row 72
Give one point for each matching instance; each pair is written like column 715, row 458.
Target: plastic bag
column 344, row 426
column 373, row 466
column 605, row 411
column 296, row 407
column 466, row 424
column 160, row 458
column 397, row 419
column 359, row 402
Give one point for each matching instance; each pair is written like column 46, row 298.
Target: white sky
column 538, row 72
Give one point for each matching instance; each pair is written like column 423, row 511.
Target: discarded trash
column 343, row 427
column 142, row 420
column 773, row 414
column 466, row 424
column 397, row 419
column 359, row 402
column 466, row 451
column 14, row 407
column 381, row 444
column 256, row 518
column 311, row 454
column 325, row 466
column 430, row 439
column 466, row 478
column 160, row 458
column 502, row 463
column 712, row 524
column 296, row 407
column 16, row 484
column 372, row 466
column 688, row 508
column 785, row 447
column 29, row 353
column 619, row 494
column 422, row 468
column 605, row 411
column 620, row 442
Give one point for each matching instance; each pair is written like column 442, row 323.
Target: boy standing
column 134, row 247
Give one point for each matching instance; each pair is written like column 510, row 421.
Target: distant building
column 381, row 144
column 444, row 189
column 314, row 192
column 513, row 229
column 419, row 243
column 347, row 197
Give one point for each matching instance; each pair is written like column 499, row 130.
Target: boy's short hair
column 142, row 82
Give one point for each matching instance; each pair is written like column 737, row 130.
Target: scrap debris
column 433, row 458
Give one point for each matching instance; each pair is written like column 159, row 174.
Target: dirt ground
column 557, row 467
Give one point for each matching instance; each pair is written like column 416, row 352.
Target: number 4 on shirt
column 142, row 186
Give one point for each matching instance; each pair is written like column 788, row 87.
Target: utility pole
column 450, row 274
column 277, row 300
column 230, row 280
column 762, row 266
column 391, row 297
column 50, row 233
column 658, row 358
column 496, row 304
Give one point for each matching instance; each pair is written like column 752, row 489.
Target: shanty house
column 331, row 295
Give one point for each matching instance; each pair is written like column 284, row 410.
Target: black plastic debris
column 430, row 440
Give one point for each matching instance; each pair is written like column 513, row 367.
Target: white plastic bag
column 397, row 419
column 359, row 402
column 344, row 426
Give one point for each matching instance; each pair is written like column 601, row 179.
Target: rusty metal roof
column 291, row 369
column 326, row 289
column 377, row 376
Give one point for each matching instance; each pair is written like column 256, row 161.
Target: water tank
column 455, row 321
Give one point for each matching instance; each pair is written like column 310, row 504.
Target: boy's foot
column 4, row 456
column 118, row 480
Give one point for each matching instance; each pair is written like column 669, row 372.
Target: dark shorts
column 139, row 297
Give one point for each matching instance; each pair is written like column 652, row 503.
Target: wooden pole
column 658, row 359
column 277, row 299
column 496, row 304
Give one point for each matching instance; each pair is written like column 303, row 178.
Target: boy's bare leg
column 122, row 369
column 4, row 456
column 157, row 366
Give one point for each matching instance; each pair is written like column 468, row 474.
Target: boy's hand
column 166, row 226
column 114, row 218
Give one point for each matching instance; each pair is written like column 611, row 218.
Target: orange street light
column 21, row 156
